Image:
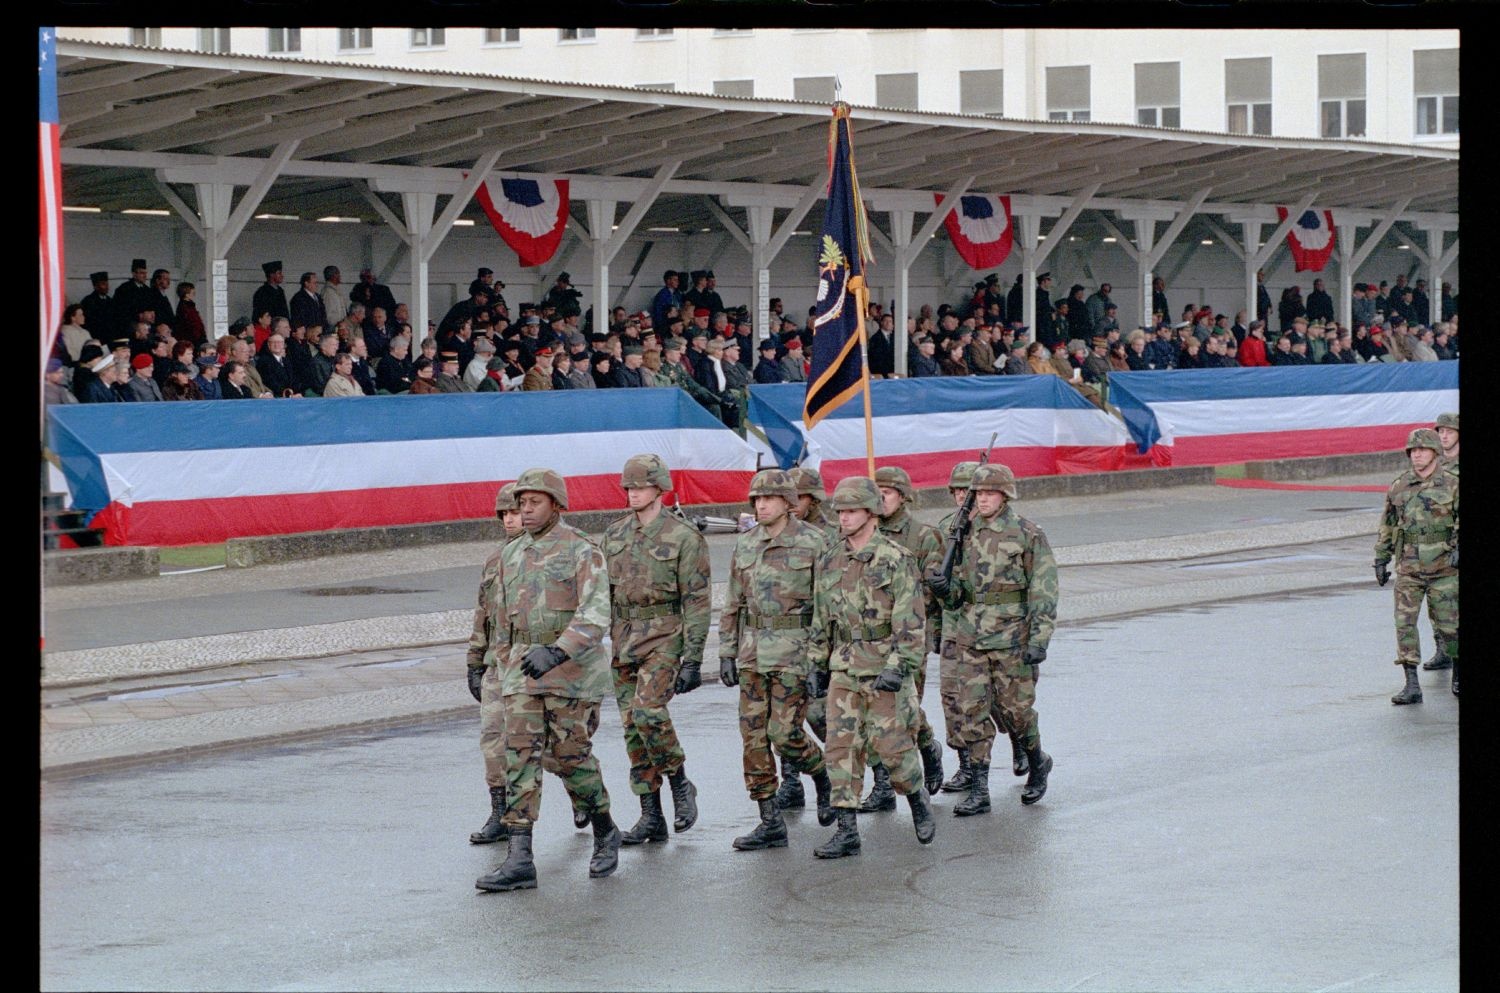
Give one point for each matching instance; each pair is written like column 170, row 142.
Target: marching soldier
column 810, row 497
column 659, row 607
column 1419, row 529
column 554, row 594
column 1447, row 432
column 1003, row 603
column 865, row 651
column 763, row 639
column 958, row 486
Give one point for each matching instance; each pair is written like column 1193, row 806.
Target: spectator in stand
column 207, row 379
column 1080, row 324
column 1135, row 351
column 71, row 336
column 260, row 330
column 1404, row 307
column 99, row 314
column 328, row 347
column 1162, row 353
column 1317, row 344
column 1239, row 328
column 1319, row 304
column 735, row 373
column 1062, row 359
column 180, row 385
column 98, row 387
column 1096, row 364
column 494, row 377
column 1442, row 344
column 1290, row 307
column 1281, row 352
column 422, row 377
column 882, row 349
column 142, row 387
column 1110, row 321
column 1422, row 347
column 628, row 374
column 306, row 307
column 53, row 390
column 1015, row 361
column 1299, row 354
column 768, row 369
column 274, row 368
column 360, row 367
column 240, row 352
column 372, row 294
column 1447, row 303
column 666, row 298
column 341, row 382
column 603, row 369
column 1159, row 298
column 1336, row 354
column 980, row 353
column 793, row 365
column 1038, row 360
column 1119, row 360
column 1189, row 357
column 1376, row 348
column 1062, row 324
column 1253, row 348
column 270, row 296
column 1044, row 310
column 562, row 364
column 188, row 325
column 1216, row 351
column 232, row 384
column 953, row 363
column 924, row 362
column 161, row 359
column 479, row 365
column 1421, row 303
column 1262, row 297
column 449, row 380
column 1098, row 302
column 335, row 307
column 394, row 373
column 1363, row 309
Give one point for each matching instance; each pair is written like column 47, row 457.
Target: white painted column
column 760, row 217
column 1346, row 235
column 901, row 223
column 214, row 200
column 1031, row 233
column 601, row 221
column 418, row 208
column 1252, row 229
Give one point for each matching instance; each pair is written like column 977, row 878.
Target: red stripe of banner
column 1266, row 484
column 933, row 468
column 1221, row 449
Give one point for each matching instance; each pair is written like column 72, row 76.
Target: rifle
column 953, row 555
column 704, row 524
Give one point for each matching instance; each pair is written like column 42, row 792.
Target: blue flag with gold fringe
column 838, row 363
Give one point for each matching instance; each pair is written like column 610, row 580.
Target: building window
column 734, row 87
column 653, row 32
column 575, row 34
column 981, row 91
column 896, row 90
column 502, row 36
column 214, row 40
column 1158, row 94
column 1247, row 96
column 1068, row 93
column 428, row 37
column 284, row 40
column 1341, row 95
column 814, row 89
column 146, row 37
column 1435, row 79
column 669, row 87
column 356, row 39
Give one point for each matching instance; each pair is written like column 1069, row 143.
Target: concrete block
column 70, row 566
column 1327, row 465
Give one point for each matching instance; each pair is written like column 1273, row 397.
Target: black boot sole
column 1429, row 667
column 1405, row 702
column 962, row 812
column 740, row 845
column 580, row 820
column 483, row 839
column 626, row 839
column 518, row 884
column 878, row 808
column 842, row 853
column 956, row 785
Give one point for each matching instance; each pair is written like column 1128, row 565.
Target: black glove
column 817, row 684
column 688, row 677
column 728, row 674
column 1382, row 573
column 1034, row 655
column 1453, row 556
column 889, row 680
column 476, row 676
column 542, row 659
column 939, row 585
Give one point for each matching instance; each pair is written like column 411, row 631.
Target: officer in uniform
column 554, row 594
column 1419, row 529
column 659, row 615
column 763, row 639
column 1003, row 603
column 865, row 651
column 1447, row 432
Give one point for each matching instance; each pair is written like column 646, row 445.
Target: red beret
column 793, row 343
column 543, row 351
column 701, row 312
column 142, row 361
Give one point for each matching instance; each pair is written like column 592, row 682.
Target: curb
column 70, row 567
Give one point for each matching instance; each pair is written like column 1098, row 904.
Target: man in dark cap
column 99, row 309
column 710, row 297
column 207, row 379
column 628, row 372
column 1044, row 310
column 372, row 294
column 464, row 310
column 270, row 296
column 768, row 369
column 134, row 296
column 694, row 296
column 563, row 297
column 447, row 380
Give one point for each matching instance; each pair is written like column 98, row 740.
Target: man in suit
column 270, row 297
column 307, row 307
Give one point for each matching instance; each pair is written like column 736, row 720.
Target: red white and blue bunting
column 528, row 214
column 1312, row 238
column 980, row 228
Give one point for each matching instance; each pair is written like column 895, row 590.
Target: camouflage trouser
column 817, row 718
column 921, row 731
column 556, row 728
column 492, row 730
column 773, row 706
column 863, row 719
column 643, row 689
column 984, row 680
column 1442, row 609
column 948, row 690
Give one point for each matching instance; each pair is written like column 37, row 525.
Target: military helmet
column 896, row 478
column 857, row 493
column 546, row 481
column 1423, row 438
column 962, row 475
column 1447, row 421
column 993, row 476
column 505, row 499
column 774, row 482
column 646, row 470
column 809, row 482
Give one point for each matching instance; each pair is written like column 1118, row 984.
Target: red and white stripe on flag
column 1312, row 238
column 50, row 176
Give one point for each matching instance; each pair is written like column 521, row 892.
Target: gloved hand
column 939, row 586
column 1382, row 573
column 1034, row 655
column 728, row 674
column 1453, row 556
column 889, row 680
column 688, row 677
column 476, row 677
column 542, row 659
column 817, row 684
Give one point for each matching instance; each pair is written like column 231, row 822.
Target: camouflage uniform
column 925, row 546
column 488, row 641
column 1419, row 529
column 1440, row 659
column 810, row 482
column 673, row 373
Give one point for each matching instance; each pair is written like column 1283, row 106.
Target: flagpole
column 860, row 296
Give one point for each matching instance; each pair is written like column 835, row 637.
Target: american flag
column 51, row 193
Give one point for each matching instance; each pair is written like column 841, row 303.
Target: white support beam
column 632, row 217
column 1178, row 223
column 790, row 222
column 1449, row 257
column 269, row 170
column 1229, row 241
column 418, row 208
column 1279, row 235
column 901, row 225
column 1031, row 231
column 722, row 216
column 760, row 217
column 214, row 202
column 1363, row 252
column 386, row 213
column 458, row 202
column 601, row 215
column 938, row 215
column 1123, row 243
column 1440, row 260
column 188, row 215
column 1080, row 201
column 1414, row 245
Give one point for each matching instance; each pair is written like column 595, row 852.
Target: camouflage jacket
column 768, row 609
column 1419, row 526
column 1004, row 593
column 925, row 545
column 661, row 570
column 673, row 374
column 867, row 611
column 1450, row 464
column 828, row 528
column 489, row 639
column 555, row 590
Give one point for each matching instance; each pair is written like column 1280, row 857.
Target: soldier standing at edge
column 1447, row 432
column 659, row 604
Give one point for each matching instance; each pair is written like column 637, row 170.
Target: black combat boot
column 932, row 766
column 845, row 840
column 652, row 826
column 684, row 801
column 769, row 833
column 1019, row 764
column 789, row 795
column 1439, row 660
column 580, row 818
column 824, row 788
column 1412, row 691
column 978, row 800
column 960, row 781
column 1036, row 783
column 606, row 857
column 921, row 816
column 517, row 872
column 1454, row 684
column 493, row 830
column 881, row 796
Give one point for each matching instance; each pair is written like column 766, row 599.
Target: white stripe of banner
column 949, row 431
column 1198, row 418
column 143, row 477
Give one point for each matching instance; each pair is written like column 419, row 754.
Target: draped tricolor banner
column 184, row 473
column 1217, row 416
column 980, row 228
column 1311, row 238
column 529, row 214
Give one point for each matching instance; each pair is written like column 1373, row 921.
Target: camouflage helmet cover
column 857, row 493
column 646, row 470
column 505, row 499
column 962, row 475
column 994, row 476
column 896, row 478
column 546, row 481
column 1447, row 421
column 774, row 482
column 809, row 482
column 1423, row 438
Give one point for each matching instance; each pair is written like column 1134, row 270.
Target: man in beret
column 270, row 296
column 142, row 386
column 539, row 376
column 792, row 367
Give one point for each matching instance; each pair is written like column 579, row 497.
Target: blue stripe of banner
column 1285, row 381
column 899, row 397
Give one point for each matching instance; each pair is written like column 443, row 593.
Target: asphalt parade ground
column 1235, row 803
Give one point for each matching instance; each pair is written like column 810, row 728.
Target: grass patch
column 1236, row 471
column 192, row 556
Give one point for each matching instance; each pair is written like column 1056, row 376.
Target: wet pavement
column 1235, row 805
